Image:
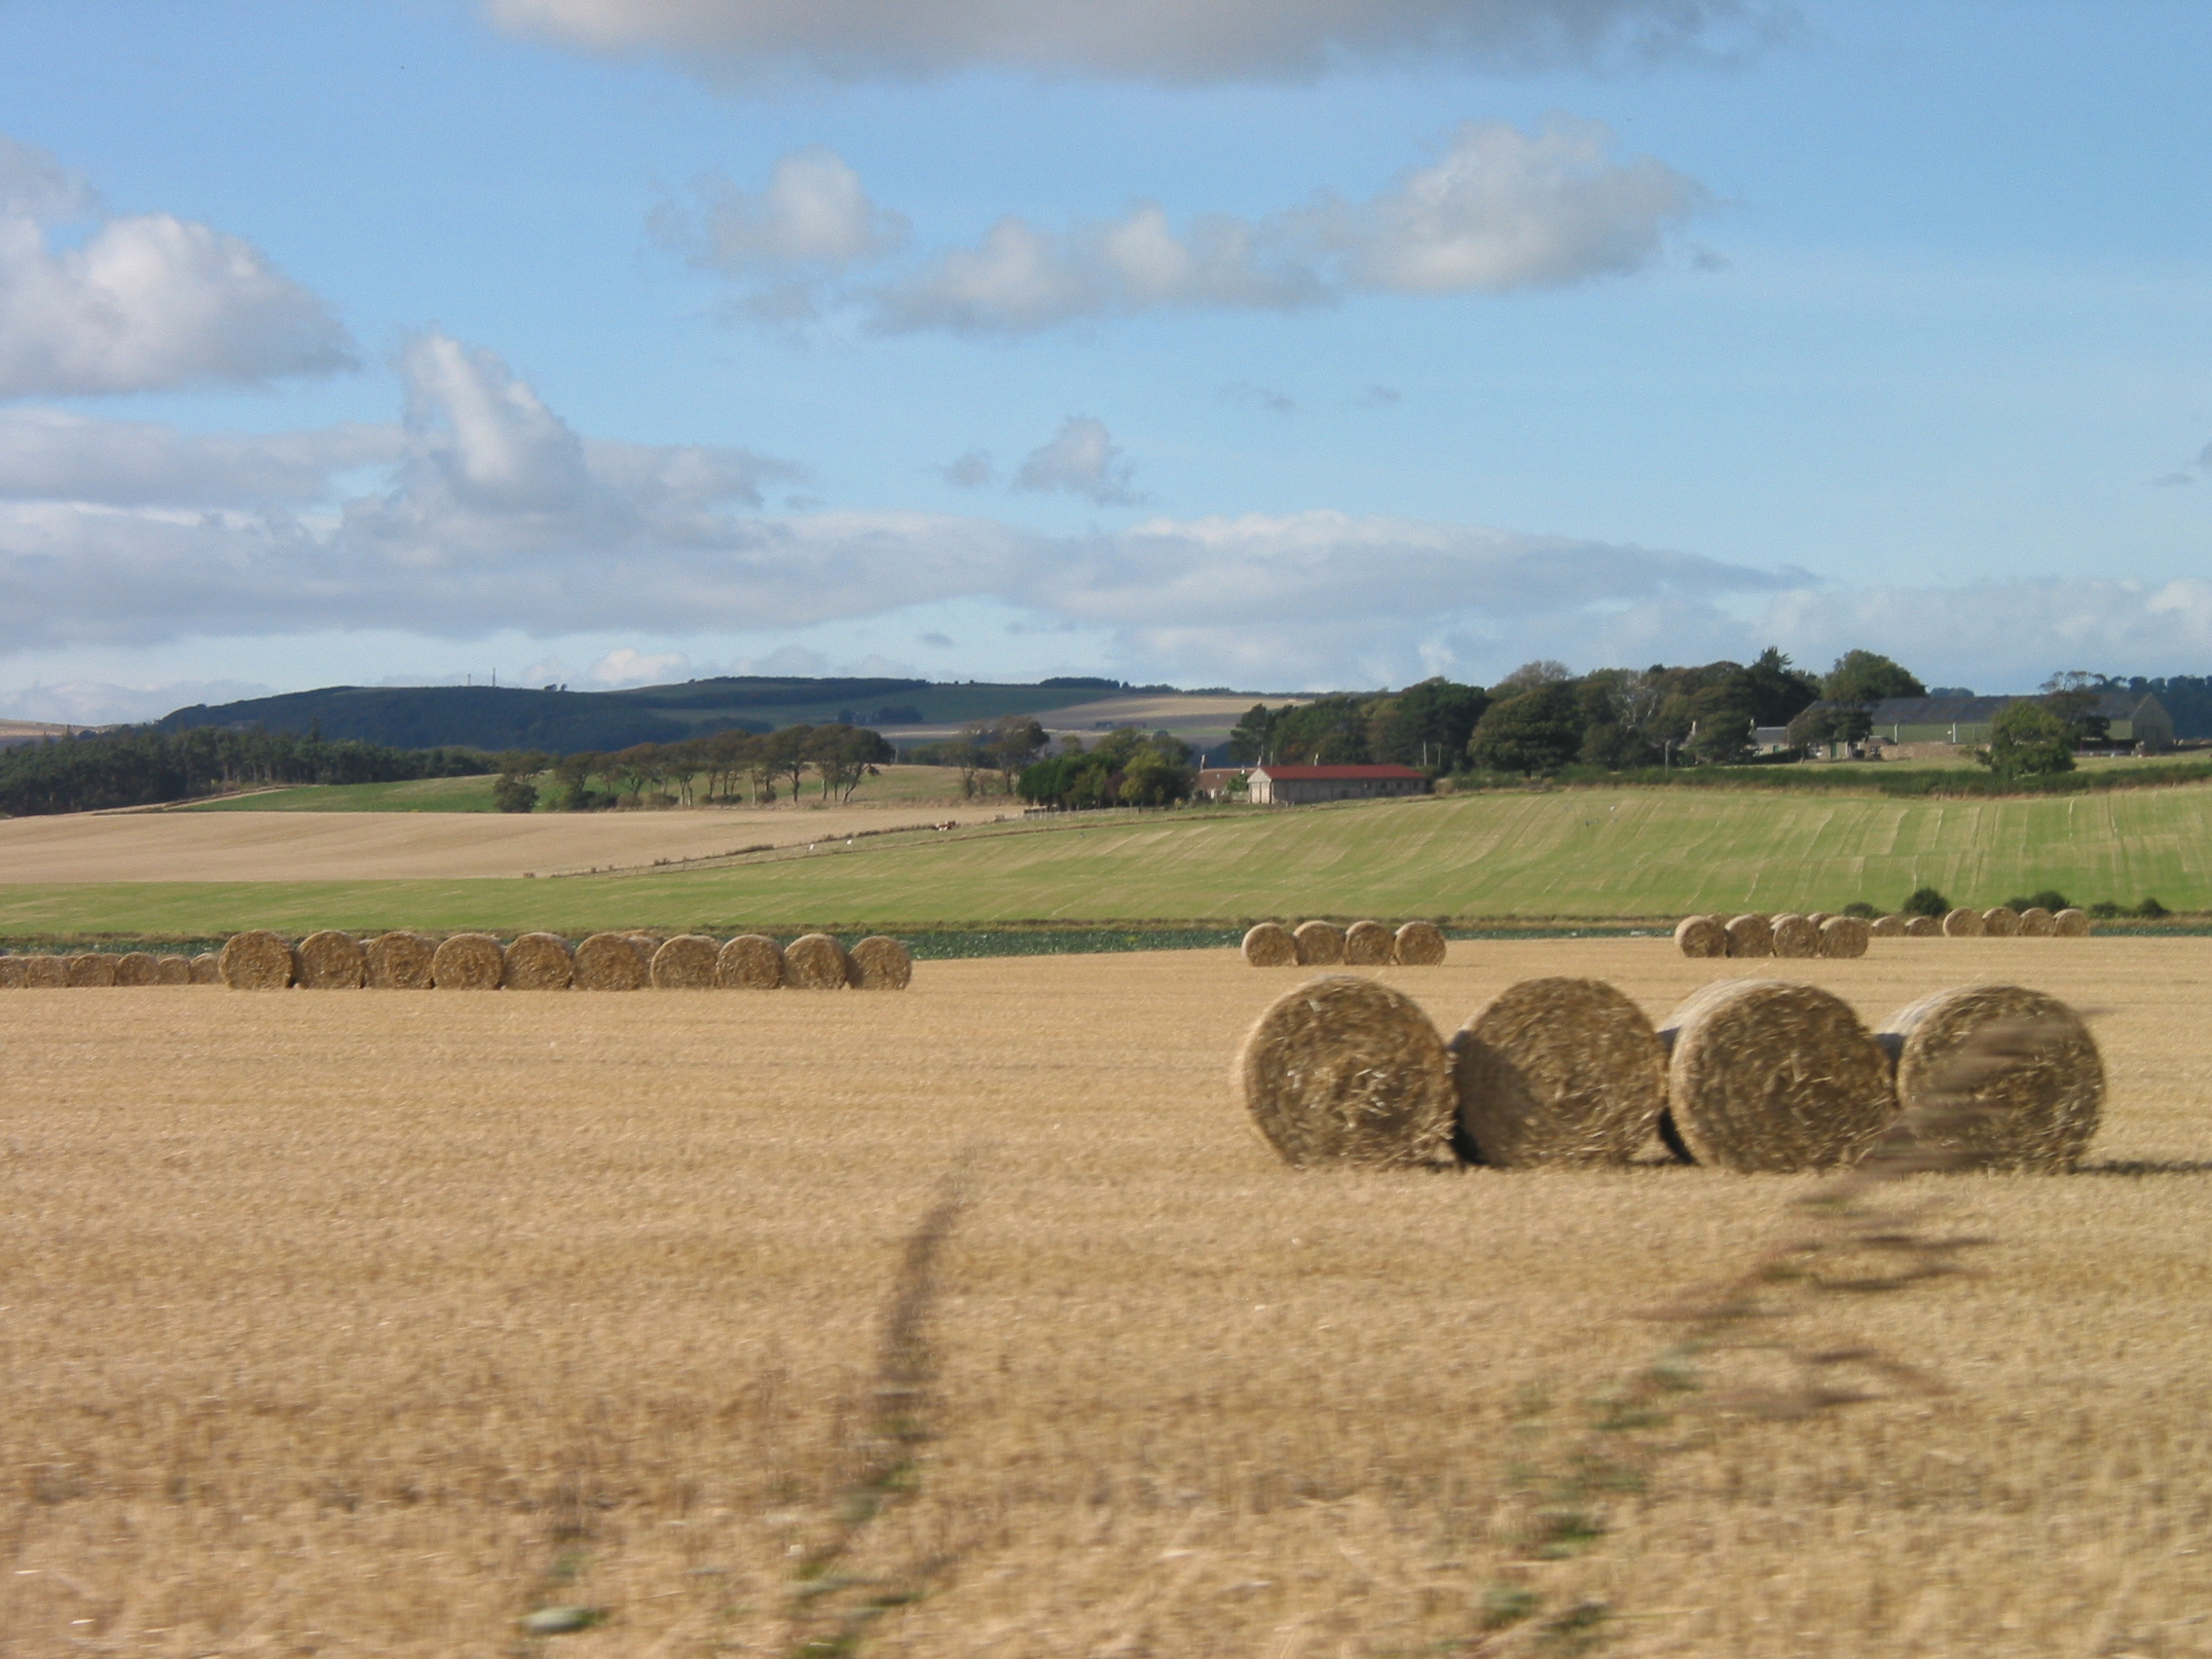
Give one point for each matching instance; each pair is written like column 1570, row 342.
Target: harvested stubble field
column 366, row 1323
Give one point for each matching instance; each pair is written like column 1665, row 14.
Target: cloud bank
column 1173, row 41
column 141, row 303
column 1498, row 212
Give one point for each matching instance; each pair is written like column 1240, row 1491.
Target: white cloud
column 49, row 456
column 1082, row 460
column 100, row 701
column 141, row 303
column 1499, row 210
column 813, row 222
column 625, row 666
column 1164, row 40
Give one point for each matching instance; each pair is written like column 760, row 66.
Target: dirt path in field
column 379, row 846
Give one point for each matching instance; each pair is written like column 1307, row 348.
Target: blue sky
column 1290, row 345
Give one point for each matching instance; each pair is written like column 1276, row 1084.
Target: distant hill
column 562, row 722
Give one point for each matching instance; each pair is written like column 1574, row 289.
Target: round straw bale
column 1749, row 935
column 258, row 960
column 1923, row 927
column 2035, row 922
column 750, row 962
column 2070, row 923
column 207, row 969
column 1891, row 926
column 1819, row 918
column 1270, row 945
column 1962, row 924
column 881, row 964
column 1558, row 1071
column 332, row 961
column 1796, row 936
column 1702, row 936
column 173, row 971
column 1419, row 945
column 686, row 963
column 815, row 962
column 539, row 962
column 12, row 972
column 1369, row 945
column 611, row 962
column 1320, row 945
column 1346, row 1070
column 90, row 970
column 398, row 961
column 1844, row 935
column 137, row 968
column 2000, row 922
column 1768, row 1076
column 468, row 962
column 2005, row 1077
column 45, row 973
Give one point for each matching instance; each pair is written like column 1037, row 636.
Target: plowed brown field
column 380, row 846
column 362, row 1323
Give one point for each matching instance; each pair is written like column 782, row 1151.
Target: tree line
column 727, row 766
column 138, row 767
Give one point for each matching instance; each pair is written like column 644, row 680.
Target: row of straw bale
column 1747, row 1074
column 258, row 960
column 1363, row 944
column 94, row 967
column 1820, row 933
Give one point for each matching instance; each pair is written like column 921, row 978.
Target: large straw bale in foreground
column 1796, row 936
column 686, row 963
column 1844, row 936
column 1270, row 945
column 173, row 971
column 539, row 962
column 611, row 962
column 1891, row 926
column 207, row 969
column 816, row 962
column 468, row 962
column 258, row 960
column 1702, row 936
column 1346, row 1070
column 1999, row 921
column 138, row 968
column 46, row 973
column 2004, row 1078
column 400, row 961
column 1923, row 927
column 1558, row 1071
column 2071, row 923
column 750, row 962
column 2035, row 922
column 1320, row 945
column 12, row 972
column 1419, row 945
column 1749, row 935
column 332, row 961
column 90, row 970
column 881, row 964
column 1963, row 923
column 1768, row 1076
column 1368, row 945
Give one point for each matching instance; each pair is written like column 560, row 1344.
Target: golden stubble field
column 364, row 1324
column 399, row 846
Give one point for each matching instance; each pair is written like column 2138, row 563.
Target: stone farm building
column 2134, row 721
column 1298, row 786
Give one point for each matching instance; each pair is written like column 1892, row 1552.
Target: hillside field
column 363, row 1323
column 894, row 784
column 1567, row 854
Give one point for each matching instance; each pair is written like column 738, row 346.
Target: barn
column 1300, row 786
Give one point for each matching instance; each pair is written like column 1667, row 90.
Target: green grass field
column 1594, row 854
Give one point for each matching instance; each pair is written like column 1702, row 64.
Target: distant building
column 1300, row 785
column 1771, row 740
column 2133, row 720
column 1215, row 782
